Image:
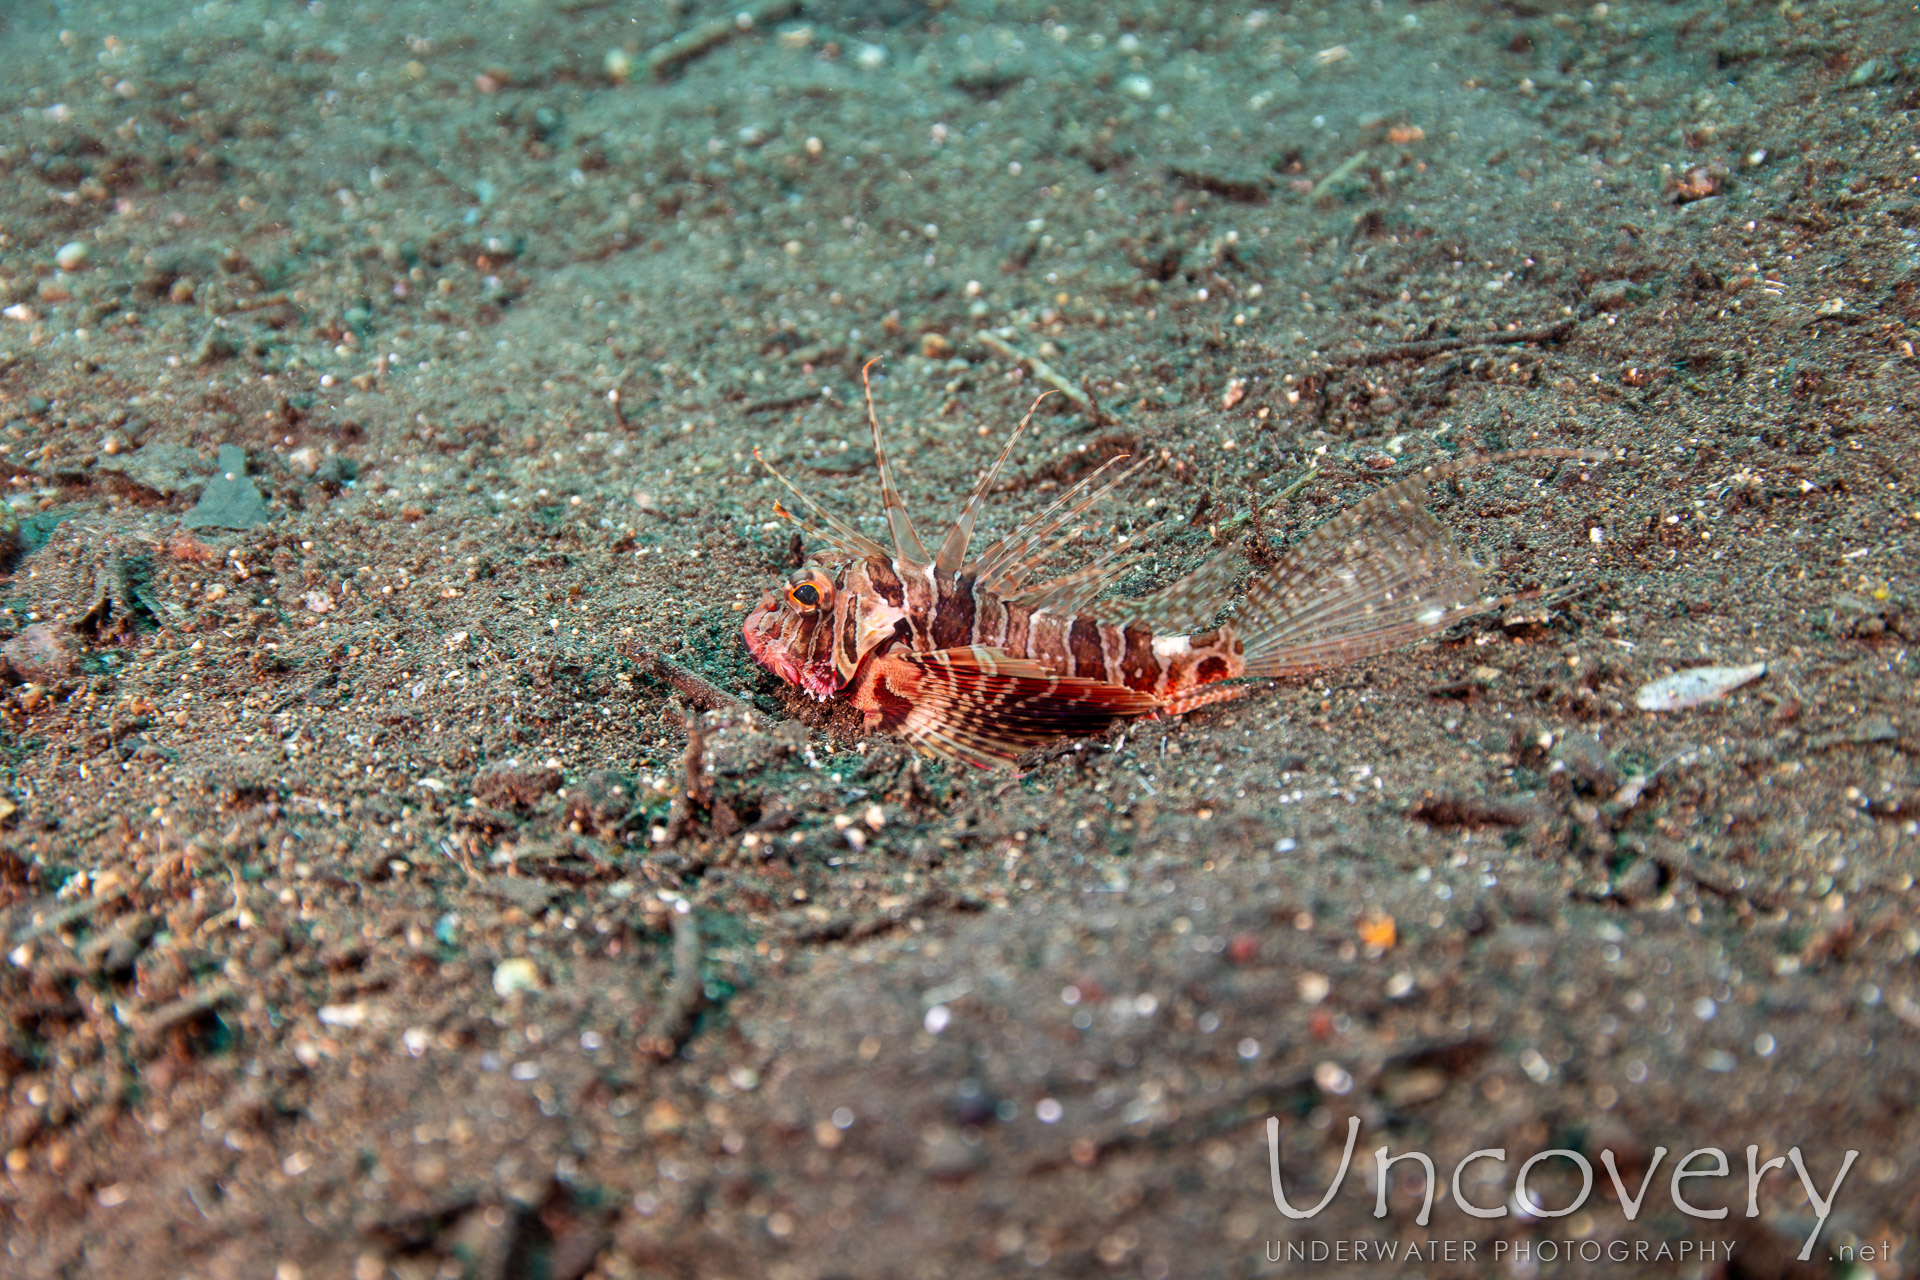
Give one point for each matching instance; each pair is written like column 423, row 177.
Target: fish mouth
column 822, row 684
column 761, row 632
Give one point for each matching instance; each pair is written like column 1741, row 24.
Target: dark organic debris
column 1244, row 189
column 1470, row 811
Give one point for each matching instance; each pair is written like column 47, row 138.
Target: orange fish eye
column 809, row 590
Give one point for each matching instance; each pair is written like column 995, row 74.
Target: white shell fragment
column 1694, row 686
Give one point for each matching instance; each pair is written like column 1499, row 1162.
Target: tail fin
column 1379, row 575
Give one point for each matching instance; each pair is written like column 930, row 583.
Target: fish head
column 791, row 632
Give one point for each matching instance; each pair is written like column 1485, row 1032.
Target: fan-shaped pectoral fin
column 980, row 707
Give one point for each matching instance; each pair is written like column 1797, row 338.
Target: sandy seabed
column 378, row 390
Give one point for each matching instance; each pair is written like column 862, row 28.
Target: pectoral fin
column 981, row 707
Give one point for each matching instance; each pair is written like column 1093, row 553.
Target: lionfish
column 971, row 660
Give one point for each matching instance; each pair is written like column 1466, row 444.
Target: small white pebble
column 1333, row 1078
column 71, row 256
column 343, row 1015
column 516, row 975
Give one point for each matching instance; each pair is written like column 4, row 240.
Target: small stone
column 512, row 785
column 843, row 462
column 1612, row 295
column 946, row 1154
column 1864, row 618
column 230, row 500
column 1411, row 1086
column 1873, row 729
column 181, row 290
column 934, row 346
column 1637, row 882
column 42, row 654
column 1873, row 71
column 214, row 348
column 741, row 743
column 1377, row 931
column 165, row 469
column 335, row 471
column 1588, row 761
column 238, row 779
column 618, row 64
column 600, row 802
column 71, row 256
column 347, row 1016
column 1699, row 182
column 510, row 977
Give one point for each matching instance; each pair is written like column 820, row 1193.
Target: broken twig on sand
column 668, row 56
column 1435, row 346
column 694, row 793
column 1044, row 372
column 686, row 993
column 1323, row 188
column 697, row 689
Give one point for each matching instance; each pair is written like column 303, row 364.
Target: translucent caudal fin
column 1380, row 575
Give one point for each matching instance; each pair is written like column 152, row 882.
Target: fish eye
column 809, row 590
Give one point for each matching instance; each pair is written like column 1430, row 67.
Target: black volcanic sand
column 356, row 916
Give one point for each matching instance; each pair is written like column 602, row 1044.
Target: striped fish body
column 966, row 675
column 959, row 612
column 971, row 660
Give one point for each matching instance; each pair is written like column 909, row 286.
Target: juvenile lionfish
column 970, row 660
